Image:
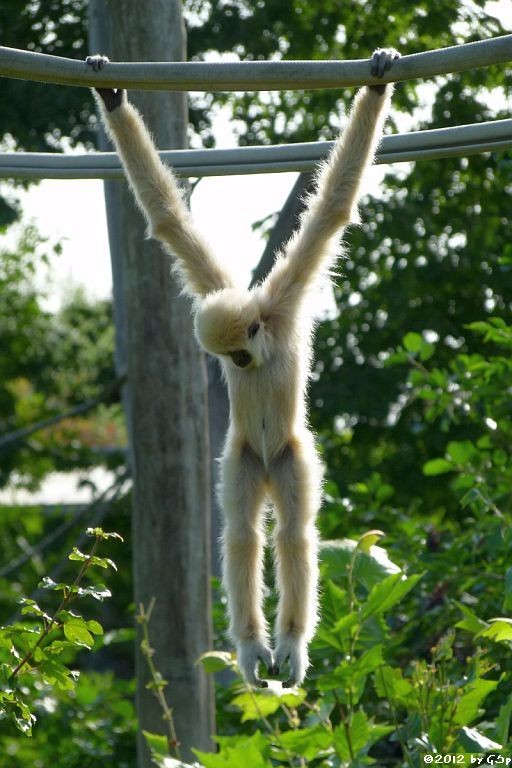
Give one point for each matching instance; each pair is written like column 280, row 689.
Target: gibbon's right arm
column 157, row 193
column 311, row 252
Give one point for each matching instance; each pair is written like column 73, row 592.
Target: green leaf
column 507, row 602
column 368, row 539
column 474, row 741
column 58, row 675
column 389, row 592
column 503, row 721
column 391, row 685
column 350, row 674
column 57, row 646
column 471, row 622
column 236, row 752
column 98, row 591
column 359, row 730
column 24, row 720
column 99, row 533
column 95, row 627
column 343, row 625
column 470, row 497
column 412, row 342
column 157, row 743
column 92, row 560
column 78, row 556
column 369, row 569
column 47, row 583
column 500, row 630
column 396, row 358
column 335, row 602
column 76, row 632
column 257, row 704
column 215, row 661
column 468, row 707
column 309, row 743
column 418, row 346
column 336, row 621
column 435, row 467
column 462, row 452
column 31, row 608
column 103, row 562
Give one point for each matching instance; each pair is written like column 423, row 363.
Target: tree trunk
column 167, row 386
column 100, row 41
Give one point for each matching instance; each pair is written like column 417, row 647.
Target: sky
column 74, row 213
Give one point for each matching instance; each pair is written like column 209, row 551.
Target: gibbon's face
column 227, row 323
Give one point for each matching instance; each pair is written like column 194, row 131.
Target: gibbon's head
column 228, row 323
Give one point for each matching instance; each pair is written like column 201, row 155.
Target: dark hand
column 381, row 61
column 111, row 97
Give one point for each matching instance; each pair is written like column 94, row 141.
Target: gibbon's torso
column 268, row 402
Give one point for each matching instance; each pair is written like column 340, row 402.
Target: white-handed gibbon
column 262, row 338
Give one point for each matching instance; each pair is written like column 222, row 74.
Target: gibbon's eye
column 240, row 357
column 253, row 330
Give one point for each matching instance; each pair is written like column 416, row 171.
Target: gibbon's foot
column 249, row 655
column 97, row 61
column 381, row 61
column 111, row 97
column 294, row 650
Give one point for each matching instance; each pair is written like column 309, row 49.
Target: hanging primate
column 262, row 338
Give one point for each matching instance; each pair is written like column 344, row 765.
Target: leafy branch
column 157, row 684
column 42, row 655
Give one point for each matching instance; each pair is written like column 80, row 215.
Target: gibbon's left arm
column 157, row 193
column 312, row 250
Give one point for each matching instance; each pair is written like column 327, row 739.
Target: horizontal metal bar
column 417, row 145
column 250, row 75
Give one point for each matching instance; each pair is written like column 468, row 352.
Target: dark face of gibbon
column 241, row 357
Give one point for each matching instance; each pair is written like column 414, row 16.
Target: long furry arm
column 312, row 251
column 161, row 201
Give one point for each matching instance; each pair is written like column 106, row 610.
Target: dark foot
column 381, row 61
column 97, row 61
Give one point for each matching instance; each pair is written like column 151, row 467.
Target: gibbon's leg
column 242, row 493
column 295, row 486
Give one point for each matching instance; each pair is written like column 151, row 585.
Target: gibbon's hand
column 381, row 61
column 111, row 97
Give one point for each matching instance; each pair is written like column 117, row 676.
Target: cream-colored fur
column 263, row 340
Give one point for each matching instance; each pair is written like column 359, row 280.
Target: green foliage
column 36, row 650
column 58, row 28
column 160, row 745
column 92, row 724
column 50, row 363
column 320, row 30
column 362, row 701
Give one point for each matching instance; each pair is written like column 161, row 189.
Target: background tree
column 166, row 384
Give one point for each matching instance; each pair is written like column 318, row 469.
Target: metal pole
column 250, row 75
column 398, row 148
